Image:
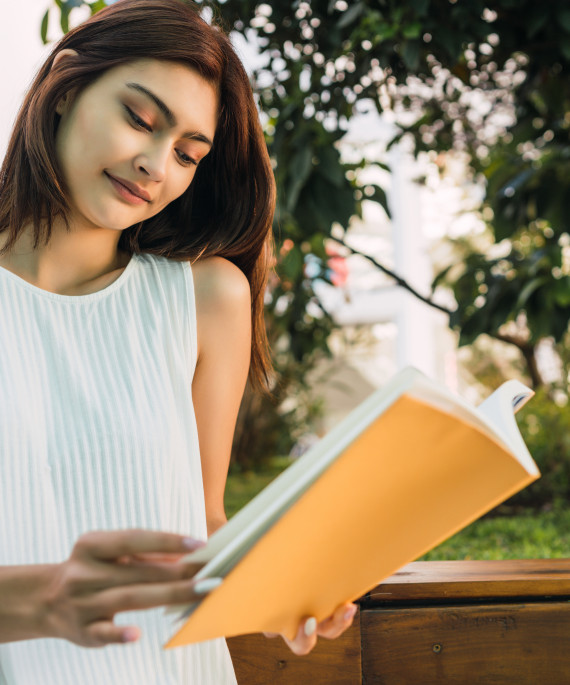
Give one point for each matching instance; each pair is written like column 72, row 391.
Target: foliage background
column 487, row 80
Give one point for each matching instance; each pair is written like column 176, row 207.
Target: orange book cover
column 407, row 469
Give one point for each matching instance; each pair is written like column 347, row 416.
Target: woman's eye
column 185, row 159
column 140, row 123
column 137, row 120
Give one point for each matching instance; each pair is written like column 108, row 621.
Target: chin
column 115, row 222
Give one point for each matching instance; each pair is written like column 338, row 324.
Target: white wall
column 21, row 54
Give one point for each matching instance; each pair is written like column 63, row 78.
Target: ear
column 63, row 55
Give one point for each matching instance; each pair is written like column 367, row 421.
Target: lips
column 133, row 188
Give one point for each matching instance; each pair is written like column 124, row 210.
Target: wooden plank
column 448, row 580
column 259, row 660
column 494, row 645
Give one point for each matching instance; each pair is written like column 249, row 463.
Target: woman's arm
column 22, row 591
column 223, row 313
column 223, row 310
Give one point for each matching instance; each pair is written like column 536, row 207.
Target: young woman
column 136, row 202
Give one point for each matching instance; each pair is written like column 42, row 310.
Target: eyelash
column 140, row 124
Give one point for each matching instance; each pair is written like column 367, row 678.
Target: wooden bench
column 444, row 623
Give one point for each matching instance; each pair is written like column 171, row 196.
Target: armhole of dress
column 191, row 318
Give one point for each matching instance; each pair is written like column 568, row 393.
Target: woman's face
column 129, row 144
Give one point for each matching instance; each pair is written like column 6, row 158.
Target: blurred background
column 422, row 156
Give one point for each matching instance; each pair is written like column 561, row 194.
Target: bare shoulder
column 223, row 304
column 217, row 281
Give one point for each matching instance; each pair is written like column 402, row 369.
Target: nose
column 153, row 163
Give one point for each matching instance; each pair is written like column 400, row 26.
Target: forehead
column 179, row 86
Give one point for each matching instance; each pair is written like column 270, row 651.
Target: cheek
column 88, row 144
column 176, row 184
column 79, row 143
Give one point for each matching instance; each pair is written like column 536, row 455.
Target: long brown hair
column 228, row 208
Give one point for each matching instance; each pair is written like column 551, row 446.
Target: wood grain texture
column 467, row 645
column 449, row 580
column 268, row 661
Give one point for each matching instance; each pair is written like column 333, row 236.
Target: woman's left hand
column 330, row 628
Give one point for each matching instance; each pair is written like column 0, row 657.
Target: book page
column 499, row 409
column 494, row 416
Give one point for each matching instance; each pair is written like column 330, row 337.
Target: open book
column 408, row 468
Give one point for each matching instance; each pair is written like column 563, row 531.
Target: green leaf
column 350, row 15
column 420, row 7
column 411, row 53
column 64, row 20
column 562, row 292
column 440, row 277
column 292, row 264
column 451, row 42
column 381, row 198
column 333, row 172
column 44, row 27
column 412, row 30
column 300, row 169
column 97, row 6
column 527, row 291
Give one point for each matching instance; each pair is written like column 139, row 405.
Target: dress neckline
column 77, row 299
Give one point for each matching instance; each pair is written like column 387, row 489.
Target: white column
column 417, row 322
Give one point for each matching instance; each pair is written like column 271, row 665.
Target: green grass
column 529, row 535
column 241, row 487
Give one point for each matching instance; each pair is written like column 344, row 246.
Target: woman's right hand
column 113, row 571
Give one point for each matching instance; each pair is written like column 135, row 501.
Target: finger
column 100, row 576
column 138, row 572
column 153, row 557
column 102, row 633
column 338, row 622
column 303, row 643
column 146, row 570
column 271, row 635
column 107, row 544
column 151, row 595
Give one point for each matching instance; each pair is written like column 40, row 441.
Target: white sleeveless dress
column 97, row 432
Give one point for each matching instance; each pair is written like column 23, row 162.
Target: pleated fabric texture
column 97, row 432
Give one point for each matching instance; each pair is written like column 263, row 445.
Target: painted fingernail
column 350, row 613
column 191, row 543
column 130, row 635
column 310, row 626
column 202, row 587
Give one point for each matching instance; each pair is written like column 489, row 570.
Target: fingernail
column 310, row 626
column 130, row 635
column 191, row 543
column 350, row 613
column 207, row 585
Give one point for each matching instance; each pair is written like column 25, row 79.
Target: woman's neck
column 74, row 263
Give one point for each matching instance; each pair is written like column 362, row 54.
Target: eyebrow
column 168, row 113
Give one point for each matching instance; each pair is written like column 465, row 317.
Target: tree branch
column 528, row 351
column 399, row 281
